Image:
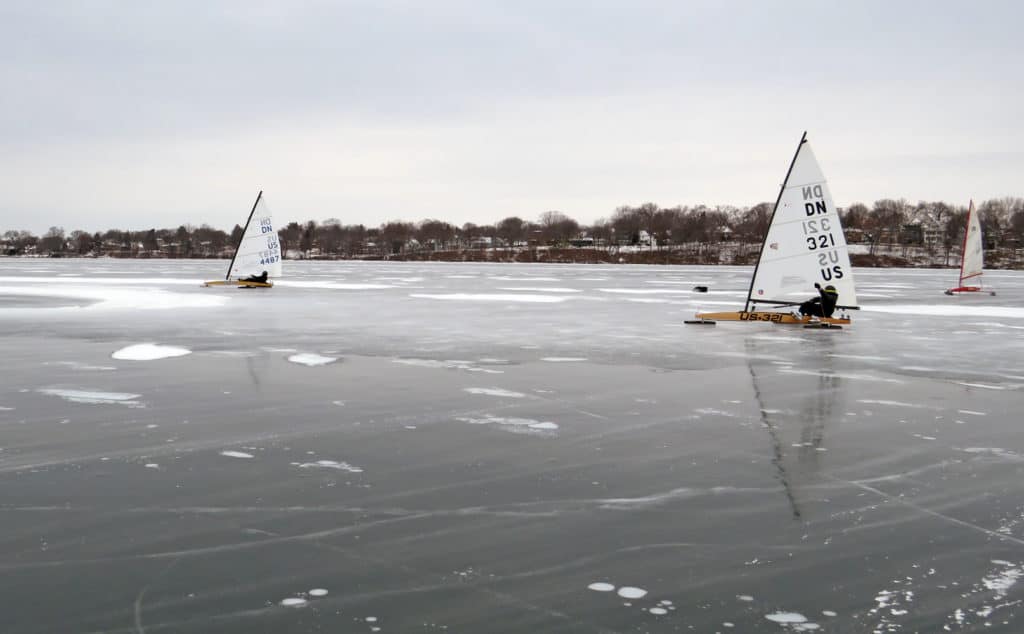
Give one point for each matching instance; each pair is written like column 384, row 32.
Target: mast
column 242, row 237
column 963, row 248
column 782, row 190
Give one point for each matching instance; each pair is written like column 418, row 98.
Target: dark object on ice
column 700, row 289
column 261, row 278
column 702, row 322
column 823, row 305
column 824, row 325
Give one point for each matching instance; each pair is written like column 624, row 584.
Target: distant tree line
column 888, row 223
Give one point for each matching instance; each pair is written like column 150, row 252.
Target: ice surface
column 494, row 446
column 149, row 352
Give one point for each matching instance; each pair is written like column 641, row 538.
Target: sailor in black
column 823, row 305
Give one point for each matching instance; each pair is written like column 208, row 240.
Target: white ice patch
column 744, row 597
column 450, row 364
column 890, row 403
column 644, row 291
column 505, row 278
column 105, row 294
column 149, row 352
column 491, row 297
column 152, row 465
column 971, row 412
column 786, row 617
column 95, row 398
column 601, row 586
column 540, row 289
column 983, row 386
column 630, row 592
column 311, row 359
column 658, row 611
column 75, row 365
column 949, row 310
column 494, row 391
column 338, row 286
column 514, row 423
column 318, row 592
column 328, row 464
column 236, row 454
column 293, row 602
column 1000, row 581
column 563, row 359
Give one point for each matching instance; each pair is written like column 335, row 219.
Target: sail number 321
column 819, row 233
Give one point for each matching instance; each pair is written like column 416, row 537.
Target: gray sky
column 141, row 114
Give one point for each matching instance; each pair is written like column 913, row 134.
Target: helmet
column 831, row 290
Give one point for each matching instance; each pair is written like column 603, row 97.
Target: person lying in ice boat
column 823, row 305
column 261, row 278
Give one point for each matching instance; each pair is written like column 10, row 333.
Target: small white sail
column 805, row 242
column 973, row 258
column 259, row 249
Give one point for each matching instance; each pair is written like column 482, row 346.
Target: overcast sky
column 140, row 114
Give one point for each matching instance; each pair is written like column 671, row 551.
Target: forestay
column 259, row 249
column 805, row 242
column 973, row 259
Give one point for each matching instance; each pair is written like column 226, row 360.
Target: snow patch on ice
column 236, row 454
column 332, row 285
column 890, row 403
column 293, row 602
column 450, row 364
column 75, row 365
column 601, row 586
column 491, row 297
column 318, row 592
column 494, row 391
column 149, row 352
column 513, row 423
column 94, row 398
column 1000, row 581
column 630, row 592
column 658, row 611
column 563, row 359
column 540, row 289
column 328, row 464
column 311, row 359
column 948, row 310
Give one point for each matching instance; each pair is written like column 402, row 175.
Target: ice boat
column 804, row 245
column 258, row 250
column 972, row 258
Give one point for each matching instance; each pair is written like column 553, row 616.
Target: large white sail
column 973, row 257
column 259, row 249
column 805, row 242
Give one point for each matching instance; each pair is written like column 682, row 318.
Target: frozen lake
column 399, row 447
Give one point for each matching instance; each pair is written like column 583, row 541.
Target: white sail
column 973, row 257
column 805, row 242
column 259, row 249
